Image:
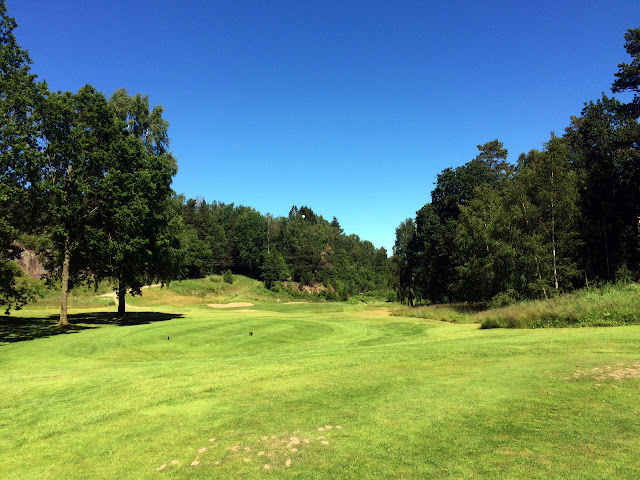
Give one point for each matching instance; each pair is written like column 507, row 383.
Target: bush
column 228, row 277
column 503, row 299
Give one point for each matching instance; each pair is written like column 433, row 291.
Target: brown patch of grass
column 618, row 372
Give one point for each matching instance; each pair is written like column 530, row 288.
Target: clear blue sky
column 349, row 107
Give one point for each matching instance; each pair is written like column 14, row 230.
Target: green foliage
column 569, row 213
column 250, row 241
column 228, row 277
column 20, row 157
column 274, row 270
column 17, row 289
column 404, row 260
column 628, row 75
column 303, row 247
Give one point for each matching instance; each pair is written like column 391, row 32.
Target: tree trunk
column 122, row 291
column 64, row 297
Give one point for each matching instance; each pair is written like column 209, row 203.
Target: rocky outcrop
column 29, row 263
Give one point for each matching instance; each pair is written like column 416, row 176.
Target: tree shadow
column 21, row 329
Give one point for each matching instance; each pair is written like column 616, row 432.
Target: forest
column 561, row 218
column 85, row 181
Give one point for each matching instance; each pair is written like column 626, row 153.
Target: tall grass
column 604, row 307
column 449, row 312
column 610, row 305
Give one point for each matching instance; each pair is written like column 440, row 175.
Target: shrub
column 228, row 277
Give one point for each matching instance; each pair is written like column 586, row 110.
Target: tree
column 250, row 240
column 404, row 260
column 551, row 187
column 430, row 255
column 138, row 234
column 78, row 131
column 486, row 244
column 628, row 75
column 274, row 269
column 20, row 157
column 494, row 156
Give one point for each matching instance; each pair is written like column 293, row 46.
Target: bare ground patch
column 262, row 451
column 230, row 305
column 619, row 371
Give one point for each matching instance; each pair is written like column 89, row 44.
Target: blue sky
column 350, row 108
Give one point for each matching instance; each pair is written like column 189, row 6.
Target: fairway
column 319, row 390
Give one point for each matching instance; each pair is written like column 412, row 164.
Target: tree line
column 561, row 218
column 302, row 247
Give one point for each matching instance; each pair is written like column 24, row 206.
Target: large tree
column 20, row 93
column 138, row 232
column 78, row 134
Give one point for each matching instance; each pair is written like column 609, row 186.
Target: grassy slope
column 415, row 398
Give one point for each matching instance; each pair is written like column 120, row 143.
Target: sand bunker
column 293, row 303
column 230, row 305
column 245, row 310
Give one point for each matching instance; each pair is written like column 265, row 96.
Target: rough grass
column 415, row 398
column 610, row 305
column 213, row 289
column 449, row 312
column 82, row 296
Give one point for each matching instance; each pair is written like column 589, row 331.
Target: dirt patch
column 278, row 451
column 230, row 305
column 617, row 372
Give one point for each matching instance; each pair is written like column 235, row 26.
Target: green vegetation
column 302, row 247
column 415, row 398
column 595, row 307
column 560, row 219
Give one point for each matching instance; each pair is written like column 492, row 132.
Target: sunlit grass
column 415, row 398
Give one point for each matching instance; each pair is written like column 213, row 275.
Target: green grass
column 415, row 398
column 82, row 296
column 611, row 305
column 214, row 289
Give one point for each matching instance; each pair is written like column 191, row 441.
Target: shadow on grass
column 21, row 329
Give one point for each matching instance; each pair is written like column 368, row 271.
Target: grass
column 415, row 398
column 82, row 296
column 610, row 305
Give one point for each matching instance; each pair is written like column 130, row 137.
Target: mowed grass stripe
column 415, row 398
